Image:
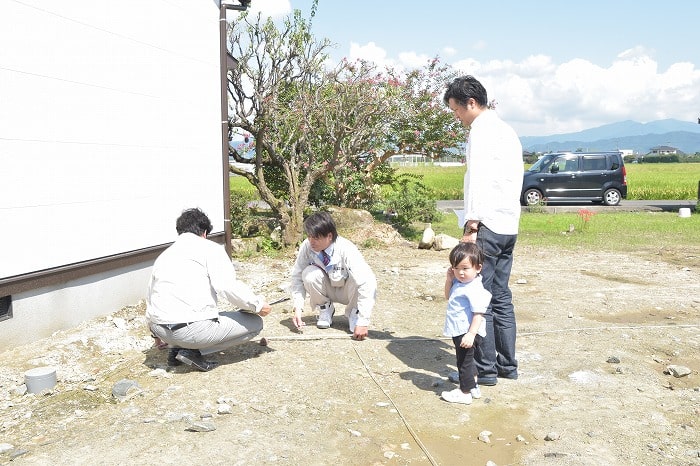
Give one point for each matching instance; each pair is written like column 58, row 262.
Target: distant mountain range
column 639, row 137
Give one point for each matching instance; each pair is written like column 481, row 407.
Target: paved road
column 625, row 206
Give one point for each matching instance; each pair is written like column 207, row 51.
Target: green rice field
column 660, row 181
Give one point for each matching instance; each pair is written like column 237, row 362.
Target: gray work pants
column 209, row 336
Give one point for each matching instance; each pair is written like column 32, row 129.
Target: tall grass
column 607, row 231
column 242, row 185
column 662, row 181
column 676, row 181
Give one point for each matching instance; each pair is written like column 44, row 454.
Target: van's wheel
column 612, row 197
column 532, row 197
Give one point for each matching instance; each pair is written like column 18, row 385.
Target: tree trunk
column 293, row 232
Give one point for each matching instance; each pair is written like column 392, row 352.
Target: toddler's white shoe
column 325, row 315
column 457, row 396
column 475, row 392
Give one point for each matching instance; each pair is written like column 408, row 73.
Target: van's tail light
column 624, row 175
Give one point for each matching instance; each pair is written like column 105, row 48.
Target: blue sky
column 553, row 66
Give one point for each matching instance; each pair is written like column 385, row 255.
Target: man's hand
column 296, row 320
column 469, row 238
column 360, row 333
column 265, row 310
column 467, row 340
column 470, row 229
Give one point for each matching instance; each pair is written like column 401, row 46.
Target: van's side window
column 565, row 164
column 594, row 163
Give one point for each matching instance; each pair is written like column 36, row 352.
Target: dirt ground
column 597, row 333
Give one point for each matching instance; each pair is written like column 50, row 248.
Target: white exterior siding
column 110, row 125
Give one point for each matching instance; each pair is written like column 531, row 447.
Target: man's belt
column 173, row 327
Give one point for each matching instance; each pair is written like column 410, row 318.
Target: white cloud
column 370, row 52
column 539, row 97
column 273, row 8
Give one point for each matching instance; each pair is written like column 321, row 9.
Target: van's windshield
column 544, row 160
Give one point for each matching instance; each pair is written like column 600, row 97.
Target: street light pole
column 242, row 5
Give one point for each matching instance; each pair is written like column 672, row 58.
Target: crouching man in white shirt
column 330, row 269
column 186, row 280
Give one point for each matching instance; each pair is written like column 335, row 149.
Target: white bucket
column 684, row 212
column 40, row 379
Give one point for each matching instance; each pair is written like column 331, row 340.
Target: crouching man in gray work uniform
column 186, row 280
column 330, row 268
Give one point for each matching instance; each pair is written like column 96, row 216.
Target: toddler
column 467, row 301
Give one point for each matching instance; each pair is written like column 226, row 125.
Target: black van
column 576, row 176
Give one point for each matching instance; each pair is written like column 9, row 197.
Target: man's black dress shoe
column 172, row 357
column 193, row 358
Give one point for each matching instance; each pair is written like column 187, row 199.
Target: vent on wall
column 5, row 307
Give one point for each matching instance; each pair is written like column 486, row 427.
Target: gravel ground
column 597, row 336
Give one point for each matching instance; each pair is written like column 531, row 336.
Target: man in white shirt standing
column 492, row 186
column 330, row 269
column 186, row 281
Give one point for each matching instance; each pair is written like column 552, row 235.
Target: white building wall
column 110, row 126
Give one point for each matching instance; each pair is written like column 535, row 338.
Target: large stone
column 443, row 241
column 428, row 237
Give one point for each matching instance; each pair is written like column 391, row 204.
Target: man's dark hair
column 467, row 251
column 193, row 221
column 320, row 224
column 464, row 88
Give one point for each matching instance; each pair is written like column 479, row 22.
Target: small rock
column 224, row 408
column 550, row 437
column 20, row 390
column 90, row 388
column 18, row 452
column 5, row 447
column 571, row 315
column 490, row 463
column 119, row 323
column 485, row 435
column 678, row 371
column 389, row 454
column 521, row 281
column 613, row 360
column 227, row 400
column 354, row 433
column 125, row 389
column 382, row 404
column 160, row 372
column 555, row 454
column 201, row 426
column 519, row 438
column 263, row 341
